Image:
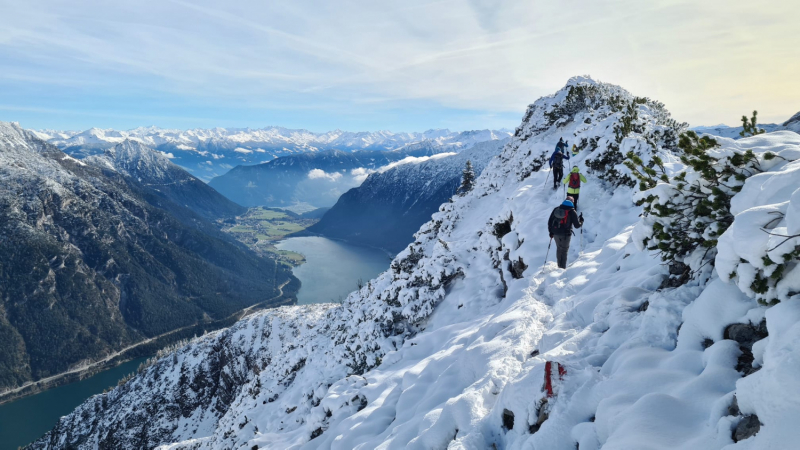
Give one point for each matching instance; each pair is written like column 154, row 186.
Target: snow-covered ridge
column 450, row 347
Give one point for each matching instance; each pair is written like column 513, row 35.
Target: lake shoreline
column 143, row 349
column 333, row 267
column 306, row 233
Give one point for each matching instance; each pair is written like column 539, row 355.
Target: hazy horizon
column 456, row 64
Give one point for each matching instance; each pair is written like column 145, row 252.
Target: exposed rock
column 746, row 334
column 503, row 228
column 747, row 427
column 677, row 268
column 508, row 419
column 733, row 408
column 517, row 268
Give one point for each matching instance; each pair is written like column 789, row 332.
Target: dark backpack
column 558, row 160
column 560, row 219
column 574, row 180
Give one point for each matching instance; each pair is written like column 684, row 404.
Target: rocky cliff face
column 88, row 265
column 468, row 341
column 390, row 206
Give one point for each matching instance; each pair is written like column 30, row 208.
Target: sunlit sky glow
column 397, row 65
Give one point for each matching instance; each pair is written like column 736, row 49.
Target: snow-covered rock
column 449, row 349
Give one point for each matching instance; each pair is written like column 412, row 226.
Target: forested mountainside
column 88, row 264
column 318, row 179
column 390, row 205
column 662, row 333
column 208, row 153
column 156, row 173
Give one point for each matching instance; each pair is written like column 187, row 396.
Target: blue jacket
column 566, row 155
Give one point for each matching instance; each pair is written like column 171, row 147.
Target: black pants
column 558, row 176
column 575, row 196
column 562, row 247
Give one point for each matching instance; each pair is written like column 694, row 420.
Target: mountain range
column 207, row 153
column 391, row 204
column 102, row 253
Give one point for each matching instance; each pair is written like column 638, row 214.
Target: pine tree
column 750, row 127
column 467, row 179
column 692, row 209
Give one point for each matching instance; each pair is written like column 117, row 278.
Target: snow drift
column 469, row 342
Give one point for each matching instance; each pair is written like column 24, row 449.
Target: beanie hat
column 568, row 204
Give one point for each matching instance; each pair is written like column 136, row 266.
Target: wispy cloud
column 380, row 64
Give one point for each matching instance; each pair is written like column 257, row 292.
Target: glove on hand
column 551, row 235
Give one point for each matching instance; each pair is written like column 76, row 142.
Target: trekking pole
column 547, row 178
column 581, row 232
column 548, row 251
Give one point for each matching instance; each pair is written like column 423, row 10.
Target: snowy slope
column 153, row 171
column 392, row 203
column 449, row 348
column 207, row 153
column 793, row 124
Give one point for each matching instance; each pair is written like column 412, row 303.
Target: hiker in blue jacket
column 560, row 224
column 557, row 161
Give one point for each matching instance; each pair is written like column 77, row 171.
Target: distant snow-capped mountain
column 207, row 153
column 722, row 130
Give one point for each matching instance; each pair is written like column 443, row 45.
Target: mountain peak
column 582, row 79
column 793, row 123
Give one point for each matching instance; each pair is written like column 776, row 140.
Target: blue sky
column 366, row 65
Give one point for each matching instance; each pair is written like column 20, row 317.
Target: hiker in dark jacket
column 560, row 224
column 557, row 162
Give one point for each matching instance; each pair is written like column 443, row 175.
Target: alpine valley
column 676, row 324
